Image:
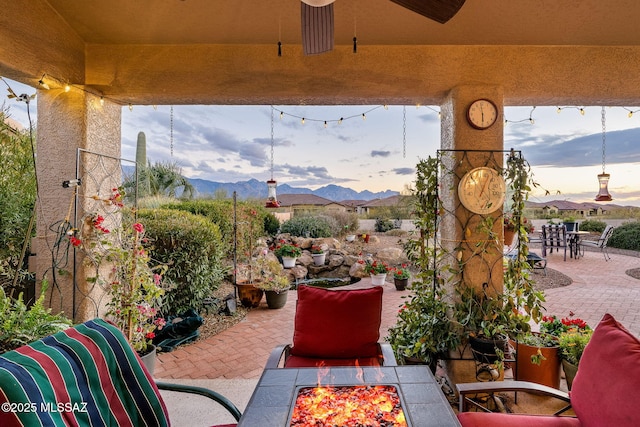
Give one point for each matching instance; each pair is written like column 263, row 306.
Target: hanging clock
column 482, row 190
column 482, row 114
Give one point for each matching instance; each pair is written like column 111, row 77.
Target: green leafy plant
column 375, row 266
column 271, row 274
column 594, row 225
column 572, row 344
column 22, row 324
column 287, row 250
column 627, row 236
column 309, row 226
column 192, row 245
column 424, row 329
column 401, row 272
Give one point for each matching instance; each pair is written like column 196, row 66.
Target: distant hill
column 258, row 189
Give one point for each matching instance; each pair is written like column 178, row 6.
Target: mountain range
column 258, row 189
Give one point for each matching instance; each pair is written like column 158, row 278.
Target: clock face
column 482, row 114
column 482, row 190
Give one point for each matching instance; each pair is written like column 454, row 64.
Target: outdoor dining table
column 423, row 402
column 574, row 242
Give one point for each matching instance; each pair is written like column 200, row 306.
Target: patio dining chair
column 554, row 236
column 601, row 243
column 334, row 327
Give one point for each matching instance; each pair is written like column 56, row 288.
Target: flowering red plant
column 375, row 267
column 554, row 326
column 401, row 272
column 123, row 268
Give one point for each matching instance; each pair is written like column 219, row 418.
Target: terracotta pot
column 570, row 371
column 276, row 300
column 547, row 373
column 509, row 234
column 401, row 284
column 249, row 295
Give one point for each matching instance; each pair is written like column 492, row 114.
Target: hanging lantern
column 603, row 178
column 272, row 199
column 603, row 194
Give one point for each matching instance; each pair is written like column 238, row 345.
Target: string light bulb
column 325, row 124
column 302, row 120
column 364, row 117
column 340, row 121
column 67, row 88
column 130, row 107
column 558, row 110
column 581, row 111
column 102, row 100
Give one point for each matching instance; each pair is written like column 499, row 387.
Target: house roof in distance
column 303, row 199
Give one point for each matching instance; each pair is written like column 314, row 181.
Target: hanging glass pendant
column 603, row 194
column 272, row 200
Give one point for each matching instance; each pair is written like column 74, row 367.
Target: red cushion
column 606, row 387
column 311, row 362
column 484, row 419
column 337, row 324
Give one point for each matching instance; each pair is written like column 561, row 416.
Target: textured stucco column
column 457, row 134
column 67, row 121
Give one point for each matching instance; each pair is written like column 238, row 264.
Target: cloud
column 565, row 151
column 378, row 153
column 404, row 171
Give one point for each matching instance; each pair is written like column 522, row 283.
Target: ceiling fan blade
column 317, row 28
column 438, row 10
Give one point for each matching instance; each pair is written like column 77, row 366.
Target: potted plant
column 401, row 277
column 125, row 270
column 423, row 332
column 23, row 323
column 318, row 254
column 289, row 253
column 538, row 359
column 377, row 270
column 573, row 336
column 274, row 282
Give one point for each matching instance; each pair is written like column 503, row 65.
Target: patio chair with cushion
column 554, row 236
column 604, row 391
column 601, row 243
column 335, row 327
column 85, row 375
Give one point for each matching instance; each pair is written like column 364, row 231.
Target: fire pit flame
column 359, row 405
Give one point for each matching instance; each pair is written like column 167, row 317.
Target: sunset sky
column 233, row 143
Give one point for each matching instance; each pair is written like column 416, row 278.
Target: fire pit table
column 275, row 395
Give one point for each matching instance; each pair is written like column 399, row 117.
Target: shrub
column 311, row 226
column 250, row 220
column 17, row 198
column 627, row 236
column 345, row 222
column 593, row 225
column 192, row 248
column 384, row 225
column 271, row 224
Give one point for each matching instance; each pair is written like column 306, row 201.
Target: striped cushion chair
column 85, row 375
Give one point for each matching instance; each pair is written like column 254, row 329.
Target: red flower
column 150, row 335
column 138, row 227
column 75, row 241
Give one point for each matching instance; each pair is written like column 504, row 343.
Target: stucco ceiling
column 542, row 52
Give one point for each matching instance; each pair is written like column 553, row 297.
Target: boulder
column 392, row 256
